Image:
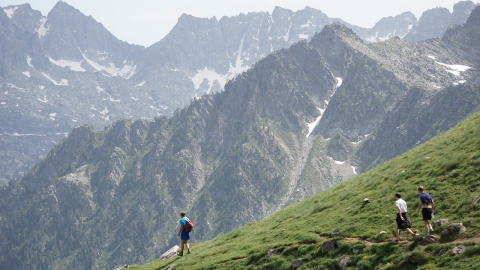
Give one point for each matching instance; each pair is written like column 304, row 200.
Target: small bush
column 472, row 251
column 416, row 257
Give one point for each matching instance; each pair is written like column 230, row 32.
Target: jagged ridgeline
column 332, row 231
column 64, row 69
column 297, row 122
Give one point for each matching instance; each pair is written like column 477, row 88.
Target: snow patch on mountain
column 339, row 81
column 140, row 84
column 303, row 36
column 459, row 82
column 337, row 161
column 454, row 69
column 270, row 23
column 377, row 38
column 29, row 61
column 105, row 111
column 238, row 68
column 26, row 73
column 100, row 89
column 210, row 75
column 306, row 25
column 62, row 82
column 44, row 100
column 72, row 65
column 112, row 99
column 312, row 125
column 287, row 35
column 126, row 72
column 15, row 87
column 10, row 11
column 42, row 31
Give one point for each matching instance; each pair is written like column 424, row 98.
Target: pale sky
column 145, row 22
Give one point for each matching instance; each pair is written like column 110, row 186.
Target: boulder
column 415, row 259
column 440, row 222
column 425, row 240
column 343, row 262
column 451, row 232
column 328, row 246
column 272, row 252
column 459, row 250
column 170, row 253
column 297, row 263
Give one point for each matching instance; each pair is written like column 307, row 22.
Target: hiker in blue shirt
column 425, row 202
column 184, row 236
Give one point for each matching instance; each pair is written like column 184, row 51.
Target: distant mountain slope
column 434, row 22
column 332, row 228
column 64, row 70
column 297, row 122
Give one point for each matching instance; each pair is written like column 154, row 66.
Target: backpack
column 189, row 226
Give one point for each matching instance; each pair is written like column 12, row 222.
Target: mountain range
column 65, row 69
column 335, row 229
column 295, row 123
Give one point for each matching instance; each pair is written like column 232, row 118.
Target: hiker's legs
column 398, row 233
column 184, row 242
column 427, row 226
column 410, row 231
column 188, row 246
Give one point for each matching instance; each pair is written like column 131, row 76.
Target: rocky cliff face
column 66, row 69
column 433, row 23
column 297, row 122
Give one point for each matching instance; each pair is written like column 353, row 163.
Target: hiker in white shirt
column 402, row 221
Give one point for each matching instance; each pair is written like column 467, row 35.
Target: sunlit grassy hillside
column 448, row 166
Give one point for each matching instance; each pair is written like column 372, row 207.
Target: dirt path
column 475, row 239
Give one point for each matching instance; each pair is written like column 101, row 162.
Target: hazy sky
column 145, row 22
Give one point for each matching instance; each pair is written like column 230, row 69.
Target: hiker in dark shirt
column 426, row 204
column 184, row 236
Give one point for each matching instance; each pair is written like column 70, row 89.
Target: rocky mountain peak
column 435, row 22
column 24, row 17
column 340, row 30
column 474, row 19
column 63, row 7
column 238, row 155
column 469, row 33
column 334, row 42
column 461, row 11
column 279, row 12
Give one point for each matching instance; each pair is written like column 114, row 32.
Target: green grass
column 448, row 166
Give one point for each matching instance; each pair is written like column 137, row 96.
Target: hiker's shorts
column 403, row 224
column 185, row 235
column 427, row 213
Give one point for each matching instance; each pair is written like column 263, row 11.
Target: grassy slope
column 449, row 168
